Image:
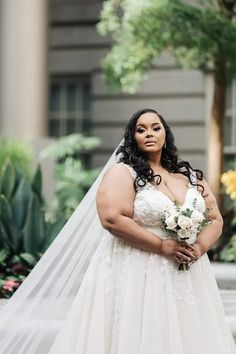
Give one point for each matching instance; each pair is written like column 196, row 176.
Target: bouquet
column 185, row 223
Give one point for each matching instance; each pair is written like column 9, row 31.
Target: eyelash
column 142, row 130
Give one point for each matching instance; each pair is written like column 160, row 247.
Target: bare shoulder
column 118, row 172
column 118, row 180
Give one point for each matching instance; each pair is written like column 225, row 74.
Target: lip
column 150, row 142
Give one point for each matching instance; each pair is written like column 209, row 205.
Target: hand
column 198, row 251
column 179, row 251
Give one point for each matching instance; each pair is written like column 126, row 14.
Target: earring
column 164, row 146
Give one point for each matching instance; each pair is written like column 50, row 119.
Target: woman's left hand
column 198, row 252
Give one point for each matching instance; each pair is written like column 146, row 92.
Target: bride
column 116, row 288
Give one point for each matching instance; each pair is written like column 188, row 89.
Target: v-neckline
column 173, row 201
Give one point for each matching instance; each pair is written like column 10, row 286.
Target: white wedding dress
column 135, row 302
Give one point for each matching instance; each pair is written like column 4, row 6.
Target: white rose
column 170, row 222
column 184, row 222
column 192, row 238
column 183, row 234
column 189, row 235
column 197, row 217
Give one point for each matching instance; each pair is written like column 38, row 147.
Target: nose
column 149, row 133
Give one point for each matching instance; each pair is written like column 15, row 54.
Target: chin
column 150, row 149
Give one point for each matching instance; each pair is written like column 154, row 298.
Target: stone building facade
column 51, row 49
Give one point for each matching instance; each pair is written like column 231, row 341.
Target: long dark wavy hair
column 137, row 159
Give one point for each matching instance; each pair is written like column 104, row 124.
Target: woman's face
column 149, row 133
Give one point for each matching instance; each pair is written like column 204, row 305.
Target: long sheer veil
column 32, row 318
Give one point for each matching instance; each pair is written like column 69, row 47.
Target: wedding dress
column 135, row 302
column 99, row 295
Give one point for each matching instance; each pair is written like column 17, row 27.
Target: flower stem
column 184, row 266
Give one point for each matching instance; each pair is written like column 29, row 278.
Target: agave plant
column 23, row 229
column 24, row 233
column 22, row 223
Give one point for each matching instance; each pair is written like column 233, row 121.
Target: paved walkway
column 225, row 274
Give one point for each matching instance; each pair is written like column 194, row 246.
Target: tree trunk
column 216, row 137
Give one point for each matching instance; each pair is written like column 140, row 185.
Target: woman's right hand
column 178, row 251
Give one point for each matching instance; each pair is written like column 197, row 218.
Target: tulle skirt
column 134, row 302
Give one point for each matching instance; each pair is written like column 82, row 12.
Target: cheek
column 139, row 139
column 162, row 136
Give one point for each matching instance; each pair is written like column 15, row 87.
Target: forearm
column 129, row 231
column 209, row 236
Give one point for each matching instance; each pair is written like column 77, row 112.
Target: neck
column 155, row 159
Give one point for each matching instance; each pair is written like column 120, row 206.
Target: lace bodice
column 150, row 202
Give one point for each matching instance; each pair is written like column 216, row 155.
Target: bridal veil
column 32, row 318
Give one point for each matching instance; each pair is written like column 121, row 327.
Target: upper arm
column 115, row 194
column 211, row 202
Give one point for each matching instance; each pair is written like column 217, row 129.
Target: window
column 230, row 129
column 69, row 106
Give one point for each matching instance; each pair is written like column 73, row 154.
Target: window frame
column 82, row 117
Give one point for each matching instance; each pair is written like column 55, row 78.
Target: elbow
column 110, row 222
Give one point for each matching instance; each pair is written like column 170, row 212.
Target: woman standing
column 133, row 298
column 127, row 295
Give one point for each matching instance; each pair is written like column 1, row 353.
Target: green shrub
column 228, row 254
column 72, row 177
column 19, row 152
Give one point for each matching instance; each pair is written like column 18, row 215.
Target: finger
column 192, row 248
column 187, row 245
column 187, row 252
column 182, row 257
column 177, row 260
column 196, row 253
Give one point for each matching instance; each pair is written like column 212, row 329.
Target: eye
column 157, row 128
column 140, row 130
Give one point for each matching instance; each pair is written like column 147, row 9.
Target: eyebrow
column 143, row 125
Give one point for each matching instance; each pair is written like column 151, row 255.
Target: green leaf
column 34, row 226
column 16, row 259
column 69, row 146
column 19, row 205
column 7, row 231
column 228, row 253
column 37, row 182
column 7, row 179
column 28, row 258
column 5, row 210
column 3, row 255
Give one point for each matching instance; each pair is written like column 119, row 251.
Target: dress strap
column 131, row 170
column 193, row 177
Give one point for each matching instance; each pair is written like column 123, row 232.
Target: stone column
column 24, row 68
